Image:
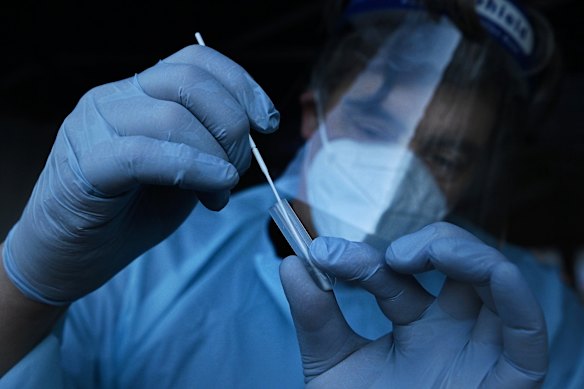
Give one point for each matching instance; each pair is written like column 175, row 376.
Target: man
column 390, row 150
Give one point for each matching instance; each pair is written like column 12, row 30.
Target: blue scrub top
column 205, row 308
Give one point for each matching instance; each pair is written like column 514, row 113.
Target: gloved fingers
column 159, row 119
column 214, row 201
column 260, row 110
column 484, row 291
column 166, row 121
column 323, row 334
column 487, row 329
column 450, row 249
column 220, row 93
column 459, row 300
column 462, row 257
column 121, row 164
column 400, row 297
column 524, row 359
column 208, row 100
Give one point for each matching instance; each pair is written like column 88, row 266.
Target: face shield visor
column 389, row 154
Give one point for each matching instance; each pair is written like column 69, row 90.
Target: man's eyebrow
column 441, row 141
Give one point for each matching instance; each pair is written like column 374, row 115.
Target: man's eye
column 447, row 165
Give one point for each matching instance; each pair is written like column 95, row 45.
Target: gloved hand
column 484, row 329
column 127, row 167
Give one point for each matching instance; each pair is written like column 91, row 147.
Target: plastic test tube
column 292, row 228
column 299, row 240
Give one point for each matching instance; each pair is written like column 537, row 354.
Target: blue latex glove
column 127, row 167
column 484, row 329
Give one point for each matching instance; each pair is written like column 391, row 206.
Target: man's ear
column 309, row 123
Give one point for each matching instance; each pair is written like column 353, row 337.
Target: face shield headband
column 505, row 21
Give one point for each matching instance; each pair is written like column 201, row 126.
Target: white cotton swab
column 256, row 152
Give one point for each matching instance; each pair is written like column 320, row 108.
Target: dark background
column 52, row 52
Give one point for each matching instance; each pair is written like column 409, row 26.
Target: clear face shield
column 390, row 154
